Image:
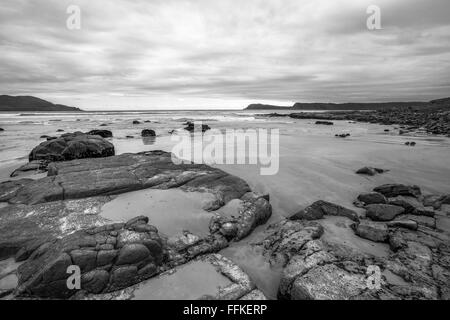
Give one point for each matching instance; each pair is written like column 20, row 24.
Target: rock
column 433, row 200
column 148, row 133
column 370, row 171
column 51, row 138
column 129, row 137
column 95, row 281
column 136, row 122
column 342, row 135
column 320, row 208
column 38, row 166
column 425, row 221
column 44, row 136
column 394, row 190
column 101, row 133
column 407, row 202
column 132, row 253
column 9, row 189
column 372, row 198
column 85, row 259
column 407, row 224
column 1, row 129
column 253, row 212
column 374, row 231
column 191, row 127
column 424, row 211
column 328, row 282
column 383, row 212
column 72, row 146
column 327, row 123
column 60, row 130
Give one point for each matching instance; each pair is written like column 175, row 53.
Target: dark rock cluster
column 416, row 228
column 110, row 257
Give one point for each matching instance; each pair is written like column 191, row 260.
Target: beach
column 313, row 165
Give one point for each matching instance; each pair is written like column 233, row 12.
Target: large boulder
column 383, row 212
column 320, row 208
column 71, row 146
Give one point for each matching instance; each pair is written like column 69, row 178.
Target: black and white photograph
column 201, row 151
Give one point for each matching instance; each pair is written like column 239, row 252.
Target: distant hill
column 259, row 106
column 29, row 103
column 441, row 103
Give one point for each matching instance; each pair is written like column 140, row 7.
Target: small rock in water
column 370, row 171
column 129, row 137
column 326, row 123
column 136, row 122
column 148, row 133
column 60, row 130
column 191, row 127
column 1, row 129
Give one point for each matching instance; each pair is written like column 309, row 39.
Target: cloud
column 202, row 53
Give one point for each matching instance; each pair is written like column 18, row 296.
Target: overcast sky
column 151, row 54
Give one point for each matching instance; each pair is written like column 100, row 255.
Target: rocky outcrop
column 322, row 266
column 320, row 208
column 72, row 146
column 110, row 257
column 55, row 222
column 239, row 287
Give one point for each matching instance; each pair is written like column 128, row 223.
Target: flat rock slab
column 119, row 174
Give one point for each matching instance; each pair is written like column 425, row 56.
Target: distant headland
column 29, row 103
column 353, row 106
